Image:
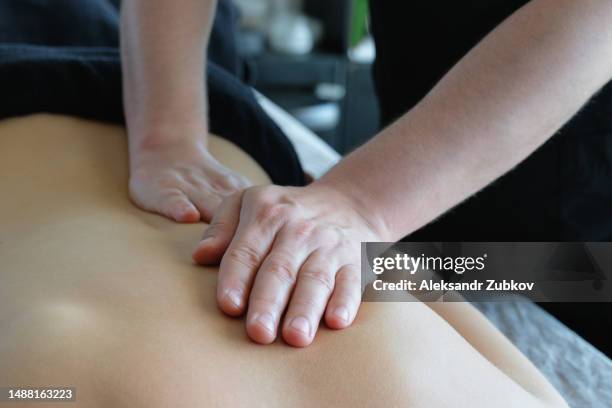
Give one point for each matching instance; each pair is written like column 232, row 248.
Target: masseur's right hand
column 288, row 254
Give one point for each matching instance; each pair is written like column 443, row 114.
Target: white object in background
column 330, row 92
column 291, row 34
column 364, row 52
column 322, row 117
column 316, row 156
column 254, row 14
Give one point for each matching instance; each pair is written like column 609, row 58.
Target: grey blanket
column 580, row 372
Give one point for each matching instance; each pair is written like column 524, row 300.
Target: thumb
column 220, row 232
column 178, row 207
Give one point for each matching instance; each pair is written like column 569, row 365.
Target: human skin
column 499, row 103
column 100, row 296
column 163, row 49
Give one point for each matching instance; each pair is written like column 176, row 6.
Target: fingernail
column 301, row 324
column 267, row 321
column 342, row 313
column 203, row 244
column 183, row 210
column 185, row 214
column 234, row 296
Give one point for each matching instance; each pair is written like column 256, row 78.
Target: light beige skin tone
column 98, row 295
column 294, row 250
column 163, row 46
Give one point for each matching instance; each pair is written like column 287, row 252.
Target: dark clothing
column 562, row 192
column 61, row 56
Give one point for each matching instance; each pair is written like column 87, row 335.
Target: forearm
column 163, row 46
column 496, row 106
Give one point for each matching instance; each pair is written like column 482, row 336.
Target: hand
column 287, row 248
column 181, row 180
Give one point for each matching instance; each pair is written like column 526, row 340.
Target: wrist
column 162, row 136
column 149, row 147
column 160, row 124
column 349, row 196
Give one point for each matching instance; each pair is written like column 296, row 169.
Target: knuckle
column 348, row 250
column 257, row 194
column 217, row 227
column 263, row 195
column 216, row 185
column 320, row 277
column 192, row 177
column 169, row 182
column 221, row 184
column 281, row 271
column 270, row 212
column 244, row 255
column 330, row 234
column 310, row 303
column 172, row 194
column 349, row 275
column 303, row 228
column 259, row 301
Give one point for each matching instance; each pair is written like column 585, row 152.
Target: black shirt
column 562, row 192
column 62, row 56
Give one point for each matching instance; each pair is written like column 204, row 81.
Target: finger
column 243, row 182
column 219, row 234
column 275, row 281
column 314, row 287
column 206, row 203
column 254, row 236
column 177, row 206
column 345, row 299
column 232, row 183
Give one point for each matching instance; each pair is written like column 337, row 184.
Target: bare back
column 99, row 295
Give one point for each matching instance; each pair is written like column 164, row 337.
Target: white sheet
column 317, row 157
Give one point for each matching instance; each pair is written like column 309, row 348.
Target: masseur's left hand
column 180, row 179
column 288, row 249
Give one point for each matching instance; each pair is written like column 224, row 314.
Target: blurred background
column 313, row 58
